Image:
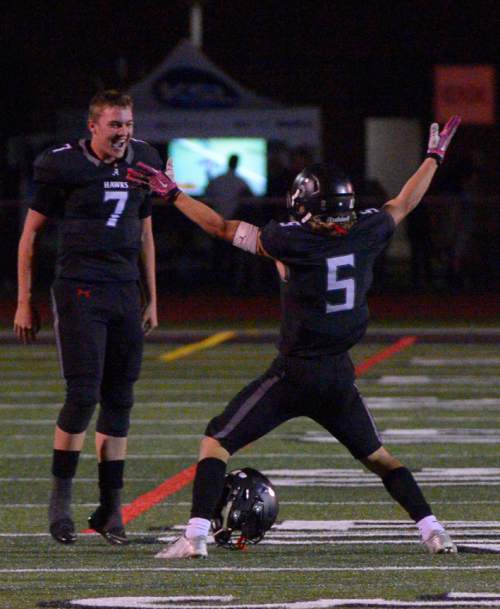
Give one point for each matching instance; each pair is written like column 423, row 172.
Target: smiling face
column 111, row 131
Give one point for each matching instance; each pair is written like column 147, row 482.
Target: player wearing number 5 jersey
column 99, row 319
column 325, row 257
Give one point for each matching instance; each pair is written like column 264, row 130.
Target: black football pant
column 99, row 335
column 321, row 388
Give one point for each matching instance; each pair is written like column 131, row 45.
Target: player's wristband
column 246, row 236
column 436, row 157
column 172, row 195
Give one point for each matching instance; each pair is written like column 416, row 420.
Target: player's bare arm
column 415, row 188
column 241, row 234
column 26, row 320
column 150, row 314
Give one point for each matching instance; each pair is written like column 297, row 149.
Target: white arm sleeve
column 246, row 237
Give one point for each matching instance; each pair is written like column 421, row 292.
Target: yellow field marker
column 211, row 341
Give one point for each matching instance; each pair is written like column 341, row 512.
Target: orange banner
column 467, row 90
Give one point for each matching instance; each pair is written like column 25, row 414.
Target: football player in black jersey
column 325, row 258
column 99, row 319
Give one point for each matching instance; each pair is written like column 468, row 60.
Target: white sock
column 197, row 527
column 428, row 525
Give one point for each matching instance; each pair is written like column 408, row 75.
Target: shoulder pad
column 368, row 211
column 53, row 162
column 146, row 153
column 291, row 223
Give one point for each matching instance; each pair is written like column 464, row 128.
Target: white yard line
column 453, row 361
column 169, row 504
column 452, row 381
column 247, row 569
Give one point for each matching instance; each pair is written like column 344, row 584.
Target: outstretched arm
column 415, row 188
column 241, row 234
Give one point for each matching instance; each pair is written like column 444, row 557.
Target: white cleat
column 439, row 542
column 185, row 548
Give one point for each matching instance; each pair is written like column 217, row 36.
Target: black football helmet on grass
column 247, row 509
column 318, row 191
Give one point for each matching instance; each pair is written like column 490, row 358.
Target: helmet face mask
column 247, row 509
column 316, row 191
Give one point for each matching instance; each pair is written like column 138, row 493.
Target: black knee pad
column 79, row 406
column 114, row 416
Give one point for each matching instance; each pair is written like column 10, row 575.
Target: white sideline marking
column 141, row 457
column 248, row 569
column 459, row 362
column 417, row 403
column 144, row 392
column 389, row 436
column 452, row 381
column 51, row 422
column 346, row 525
column 212, row 380
column 166, row 602
column 374, row 403
column 76, row 480
column 167, row 404
column 427, row 476
column 166, row 422
column 146, row 436
column 170, row 503
column 418, row 436
column 295, row 456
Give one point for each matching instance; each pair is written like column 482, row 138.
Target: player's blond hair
column 110, row 98
column 328, row 226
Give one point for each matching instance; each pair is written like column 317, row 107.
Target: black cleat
column 115, row 535
column 63, row 531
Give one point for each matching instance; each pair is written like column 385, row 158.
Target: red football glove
column 154, row 180
column 439, row 142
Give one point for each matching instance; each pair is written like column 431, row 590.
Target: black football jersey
column 323, row 300
column 99, row 214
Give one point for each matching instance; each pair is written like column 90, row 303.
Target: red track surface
column 207, row 307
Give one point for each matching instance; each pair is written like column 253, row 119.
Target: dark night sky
column 353, row 59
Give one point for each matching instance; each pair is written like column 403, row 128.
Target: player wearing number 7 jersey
column 99, row 322
column 325, row 257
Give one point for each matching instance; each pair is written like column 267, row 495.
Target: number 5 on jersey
column 334, row 283
column 120, row 196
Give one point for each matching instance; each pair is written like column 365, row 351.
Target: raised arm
column 26, row 320
column 415, row 188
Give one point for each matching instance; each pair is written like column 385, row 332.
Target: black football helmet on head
column 319, row 190
column 247, row 509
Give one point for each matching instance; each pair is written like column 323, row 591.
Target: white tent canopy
column 188, row 96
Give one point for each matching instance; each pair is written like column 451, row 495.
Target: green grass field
column 339, row 540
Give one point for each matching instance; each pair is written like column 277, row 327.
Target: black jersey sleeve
column 49, row 200
column 48, row 174
column 276, row 239
column 149, row 155
column 376, row 228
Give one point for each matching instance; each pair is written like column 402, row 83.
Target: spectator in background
column 225, row 193
column 228, row 188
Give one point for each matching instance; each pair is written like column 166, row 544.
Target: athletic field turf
column 339, row 541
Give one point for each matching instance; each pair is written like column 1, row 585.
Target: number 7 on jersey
column 120, row 196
